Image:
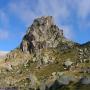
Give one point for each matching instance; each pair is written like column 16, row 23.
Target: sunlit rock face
column 43, row 33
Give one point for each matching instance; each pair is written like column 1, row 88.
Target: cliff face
column 42, row 34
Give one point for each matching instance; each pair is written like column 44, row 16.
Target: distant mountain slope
column 3, row 53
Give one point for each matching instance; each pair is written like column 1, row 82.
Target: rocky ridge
column 43, row 33
column 46, row 60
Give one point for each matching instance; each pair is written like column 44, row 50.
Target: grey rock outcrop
column 42, row 34
column 85, row 80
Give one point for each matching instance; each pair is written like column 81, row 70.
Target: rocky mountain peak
column 46, row 60
column 43, row 33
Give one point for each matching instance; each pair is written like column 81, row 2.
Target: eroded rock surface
column 43, row 33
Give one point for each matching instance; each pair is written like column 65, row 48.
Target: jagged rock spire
column 43, row 33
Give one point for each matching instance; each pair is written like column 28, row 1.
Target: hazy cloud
column 4, row 19
column 4, row 34
column 59, row 9
column 24, row 11
column 68, row 31
column 84, row 8
column 56, row 8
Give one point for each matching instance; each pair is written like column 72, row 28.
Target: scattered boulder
column 43, row 85
column 68, row 64
column 85, row 80
column 65, row 79
column 8, row 66
column 34, row 83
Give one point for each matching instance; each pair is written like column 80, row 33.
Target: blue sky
column 73, row 16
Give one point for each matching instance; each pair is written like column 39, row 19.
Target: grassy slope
column 17, row 76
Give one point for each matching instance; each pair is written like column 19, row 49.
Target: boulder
column 68, row 64
column 65, row 79
column 85, row 80
column 34, row 83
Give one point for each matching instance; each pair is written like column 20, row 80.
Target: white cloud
column 81, row 7
column 84, row 8
column 23, row 12
column 56, row 8
column 4, row 34
column 68, row 31
column 4, row 19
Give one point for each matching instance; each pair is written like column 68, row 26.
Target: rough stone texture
column 85, row 80
column 42, row 34
column 68, row 63
column 33, row 81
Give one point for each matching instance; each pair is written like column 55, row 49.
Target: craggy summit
column 46, row 60
column 43, row 33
